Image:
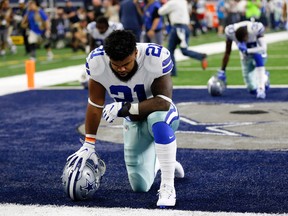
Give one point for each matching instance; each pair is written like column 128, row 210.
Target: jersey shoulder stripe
column 154, row 58
column 167, row 65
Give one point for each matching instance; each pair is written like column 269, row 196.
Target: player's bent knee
column 163, row 133
column 259, row 61
column 138, row 183
column 140, row 175
column 160, row 116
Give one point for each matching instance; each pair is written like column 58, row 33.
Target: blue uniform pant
column 179, row 35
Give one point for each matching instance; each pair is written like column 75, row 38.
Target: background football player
column 137, row 77
column 97, row 32
column 249, row 37
column 178, row 13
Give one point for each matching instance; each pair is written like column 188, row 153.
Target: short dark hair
column 120, row 44
column 241, row 33
column 102, row 20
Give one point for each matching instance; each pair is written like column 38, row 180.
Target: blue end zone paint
column 38, row 132
column 229, row 96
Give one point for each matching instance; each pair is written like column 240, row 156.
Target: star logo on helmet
column 191, row 126
column 90, row 186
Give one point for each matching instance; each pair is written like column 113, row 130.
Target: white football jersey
column 153, row 62
column 255, row 30
column 95, row 34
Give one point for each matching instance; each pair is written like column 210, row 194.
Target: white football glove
column 87, row 151
column 110, row 112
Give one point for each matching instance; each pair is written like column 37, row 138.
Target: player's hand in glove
column 221, row 74
column 87, row 151
column 114, row 110
column 242, row 47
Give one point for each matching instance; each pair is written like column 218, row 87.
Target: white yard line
column 18, row 83
column 27, row 210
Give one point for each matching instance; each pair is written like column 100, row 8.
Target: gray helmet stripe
column 72, row 185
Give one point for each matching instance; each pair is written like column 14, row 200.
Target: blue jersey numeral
column 97, row 52
column 122, row 93
column 154, row 50
column 125, row 94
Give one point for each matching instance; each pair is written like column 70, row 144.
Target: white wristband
column 165, row 98
column 94, row 104
column 90, row 136
column 134, row 109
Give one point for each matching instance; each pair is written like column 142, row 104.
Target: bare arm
column 160, row 86
column 151, row 32
column 24, row 22
column 9, row 16
column 285, row 15
column 262, row 48
column 139, row 10
column 94, row 114
column 47, row 27
column 91, row 41
column 227, row 53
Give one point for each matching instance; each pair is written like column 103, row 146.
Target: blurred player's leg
column 249, row 75
column 173, row 41
column 261, row 78
column 260, row 75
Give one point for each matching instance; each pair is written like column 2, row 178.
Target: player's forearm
column 153, row 104
column 262, row 48
column 155, row 24
column 93, row 117
column 228, row 48
column 225, row 61
column 256, row 50
column 165, row 9
column 140, row 111
column 139, row 10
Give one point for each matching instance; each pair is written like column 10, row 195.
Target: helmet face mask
column 215, row 86
column 81, row 185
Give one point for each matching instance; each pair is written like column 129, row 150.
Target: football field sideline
column 49, row 210
column 44, row 79
column 47, row 78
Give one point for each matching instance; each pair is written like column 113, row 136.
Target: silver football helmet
column 82, row 185
column 215, row 86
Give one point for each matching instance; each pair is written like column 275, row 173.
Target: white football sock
column 261, row 77
column 166, row 154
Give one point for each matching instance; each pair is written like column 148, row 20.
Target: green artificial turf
column 189, row 71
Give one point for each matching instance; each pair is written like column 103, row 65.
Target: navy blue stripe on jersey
column 168, row 68
column 167, row 65
column 251, row 44
column 172, row 115
column 261, row 31
column 166, row 61
column 87, row 68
